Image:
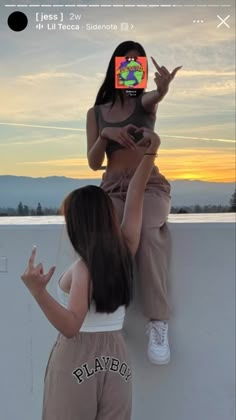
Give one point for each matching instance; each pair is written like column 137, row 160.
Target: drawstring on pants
column 121, row 182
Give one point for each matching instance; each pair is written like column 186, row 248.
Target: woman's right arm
column 96, row 144
column 133, row 210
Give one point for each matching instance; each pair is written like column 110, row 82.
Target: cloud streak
column 42, row 126
column 199, row 138
column 59, row 162
column 82, row 130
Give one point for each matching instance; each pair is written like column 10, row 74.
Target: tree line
column 24, row 210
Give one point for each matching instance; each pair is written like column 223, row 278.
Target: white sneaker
column 158, row 346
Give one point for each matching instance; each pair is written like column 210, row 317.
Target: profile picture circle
column 17, row 21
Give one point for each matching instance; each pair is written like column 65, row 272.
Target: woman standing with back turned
column 88, row 375
column 111, row 126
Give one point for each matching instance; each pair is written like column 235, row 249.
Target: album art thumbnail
column 130, row 72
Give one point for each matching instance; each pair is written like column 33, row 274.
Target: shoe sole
column 159, row 362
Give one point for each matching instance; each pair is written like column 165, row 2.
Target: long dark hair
column 107, row 91
column 94, row 231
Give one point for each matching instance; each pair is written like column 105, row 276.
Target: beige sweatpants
column 153, row 254
column 88, row 377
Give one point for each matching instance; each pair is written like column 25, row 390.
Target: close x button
column 223, row 21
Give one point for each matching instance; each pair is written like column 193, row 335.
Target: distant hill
column 50, row 191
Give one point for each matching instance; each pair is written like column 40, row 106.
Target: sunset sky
column 49, row 79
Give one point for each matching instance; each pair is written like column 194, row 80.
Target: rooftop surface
column 173, row 218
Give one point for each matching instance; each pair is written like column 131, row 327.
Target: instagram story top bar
column 116, row 5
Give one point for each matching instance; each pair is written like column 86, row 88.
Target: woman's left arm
column 162, row 79
column 67, row 321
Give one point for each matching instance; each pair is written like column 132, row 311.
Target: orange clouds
column 201, row 164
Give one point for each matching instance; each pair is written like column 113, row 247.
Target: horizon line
column 94, row 179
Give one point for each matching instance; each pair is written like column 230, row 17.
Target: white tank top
column 96, row 321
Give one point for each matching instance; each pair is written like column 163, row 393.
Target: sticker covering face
column 130, row 73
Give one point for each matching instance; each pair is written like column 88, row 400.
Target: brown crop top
column 140, row 117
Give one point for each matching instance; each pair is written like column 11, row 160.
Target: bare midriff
column 123, row 159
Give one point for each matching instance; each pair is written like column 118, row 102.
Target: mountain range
column 50, row 191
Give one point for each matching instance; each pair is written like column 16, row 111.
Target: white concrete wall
column 198, row 384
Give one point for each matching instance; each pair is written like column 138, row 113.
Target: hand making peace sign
column 163, row 77
column 34, row 277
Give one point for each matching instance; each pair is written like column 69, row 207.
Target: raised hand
column 163, row 77
column 34, row 277
column 149, row 138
